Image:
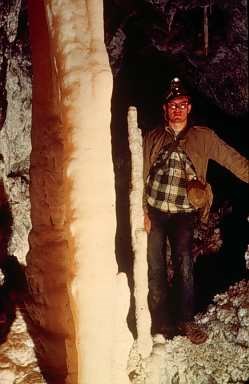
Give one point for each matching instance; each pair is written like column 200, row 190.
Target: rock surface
column 18, row 363
column 15, row 142
column 175, row 31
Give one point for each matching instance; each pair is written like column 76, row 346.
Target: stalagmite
column 72, row 196
column 139, row 237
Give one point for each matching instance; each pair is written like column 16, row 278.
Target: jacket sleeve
column 228, row 157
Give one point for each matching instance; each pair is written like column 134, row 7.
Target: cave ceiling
column 139, row 32
column 173, row 32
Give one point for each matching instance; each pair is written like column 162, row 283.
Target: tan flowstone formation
column 71, row 266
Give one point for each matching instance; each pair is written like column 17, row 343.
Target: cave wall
column 18, row 360
column 15, row 128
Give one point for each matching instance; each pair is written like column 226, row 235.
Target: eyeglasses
column 181, row 106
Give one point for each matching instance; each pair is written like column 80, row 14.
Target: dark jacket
column 200, row 144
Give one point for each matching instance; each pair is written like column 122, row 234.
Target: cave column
column 72, row 270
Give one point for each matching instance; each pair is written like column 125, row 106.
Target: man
column 168, row 212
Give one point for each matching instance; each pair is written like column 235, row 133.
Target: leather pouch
column 197, row 193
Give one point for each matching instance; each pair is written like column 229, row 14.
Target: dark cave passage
column 141, row 82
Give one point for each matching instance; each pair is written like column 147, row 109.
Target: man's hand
column 147, row 223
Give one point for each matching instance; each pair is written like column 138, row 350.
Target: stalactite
column 139, row 237
column 205, row 29
column 171, row 19
column 211, row 6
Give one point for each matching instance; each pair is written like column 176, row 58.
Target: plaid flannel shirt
column 166, row 182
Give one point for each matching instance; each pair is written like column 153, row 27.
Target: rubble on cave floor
column 18, row 363
column 222, row 359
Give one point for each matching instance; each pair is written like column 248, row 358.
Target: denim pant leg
column 181, row 237
column 157, row 273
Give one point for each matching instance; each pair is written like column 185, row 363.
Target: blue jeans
column 175, row 302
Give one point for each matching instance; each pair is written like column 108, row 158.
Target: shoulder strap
column 175, row 142
column 170, row 148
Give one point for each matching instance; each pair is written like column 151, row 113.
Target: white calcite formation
column 123, row 338
column 139, row 237
column 247, row 257
column 223, row 359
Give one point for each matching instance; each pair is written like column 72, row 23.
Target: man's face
column 177, row 110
